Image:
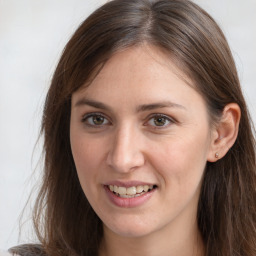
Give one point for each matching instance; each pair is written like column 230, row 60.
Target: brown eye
column 95, row 120
column 98, row 120
column 160, row 121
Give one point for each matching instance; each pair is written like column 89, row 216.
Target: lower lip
column 128, row 202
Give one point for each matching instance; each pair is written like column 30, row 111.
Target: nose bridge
column 125, row 153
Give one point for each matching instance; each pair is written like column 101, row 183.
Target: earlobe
column 225, row 132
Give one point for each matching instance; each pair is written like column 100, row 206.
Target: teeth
column 146, row 188
column 131, row 191
column 121, row 191
column 139, row 189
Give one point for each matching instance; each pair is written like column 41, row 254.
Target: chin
column 130, row 228
column 131, row 233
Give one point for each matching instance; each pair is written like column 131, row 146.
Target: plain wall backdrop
column 32, row 37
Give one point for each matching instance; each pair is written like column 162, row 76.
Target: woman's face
column 139, row 129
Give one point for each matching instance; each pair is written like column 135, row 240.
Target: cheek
column 87, row 158
column 84, row 155
column 86, row 150
column 181, row 161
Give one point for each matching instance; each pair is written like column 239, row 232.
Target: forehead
column 138, row 70
column 145, row 62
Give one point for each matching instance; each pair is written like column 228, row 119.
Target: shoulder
column 4, row 253
column 26, row 250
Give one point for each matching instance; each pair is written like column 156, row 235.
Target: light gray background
column 32, row 36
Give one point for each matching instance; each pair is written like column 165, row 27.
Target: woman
column 149, row 147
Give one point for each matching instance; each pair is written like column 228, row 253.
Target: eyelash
column 153, row 117
column 91, row 115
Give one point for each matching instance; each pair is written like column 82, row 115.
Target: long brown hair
column 63, row 218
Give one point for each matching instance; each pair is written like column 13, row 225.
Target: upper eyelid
column 84, row 116
column 160, row 115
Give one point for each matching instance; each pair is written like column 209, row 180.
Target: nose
column 125, row 154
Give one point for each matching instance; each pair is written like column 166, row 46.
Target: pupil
column 160, row 121
column 98, row 120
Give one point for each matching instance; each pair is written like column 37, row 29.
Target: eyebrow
column 164, row 104
column 92, row 103
column 140, row 108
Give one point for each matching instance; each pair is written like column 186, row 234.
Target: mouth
column 130, row 192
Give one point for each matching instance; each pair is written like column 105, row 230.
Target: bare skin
column 140, row 122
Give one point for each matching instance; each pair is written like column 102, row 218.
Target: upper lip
column 127, row 184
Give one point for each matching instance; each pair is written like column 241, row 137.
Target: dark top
column 28, row 250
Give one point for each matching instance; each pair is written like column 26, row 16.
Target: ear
column 224, row 134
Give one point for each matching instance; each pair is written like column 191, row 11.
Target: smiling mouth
column 131, row 192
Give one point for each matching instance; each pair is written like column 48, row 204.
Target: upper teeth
column 131, row 190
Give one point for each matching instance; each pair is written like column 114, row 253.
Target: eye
column 160, row 121
column 95, row 120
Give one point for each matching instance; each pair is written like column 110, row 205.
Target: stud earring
column 217, row 155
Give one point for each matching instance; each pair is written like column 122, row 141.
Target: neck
column 185, row 242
